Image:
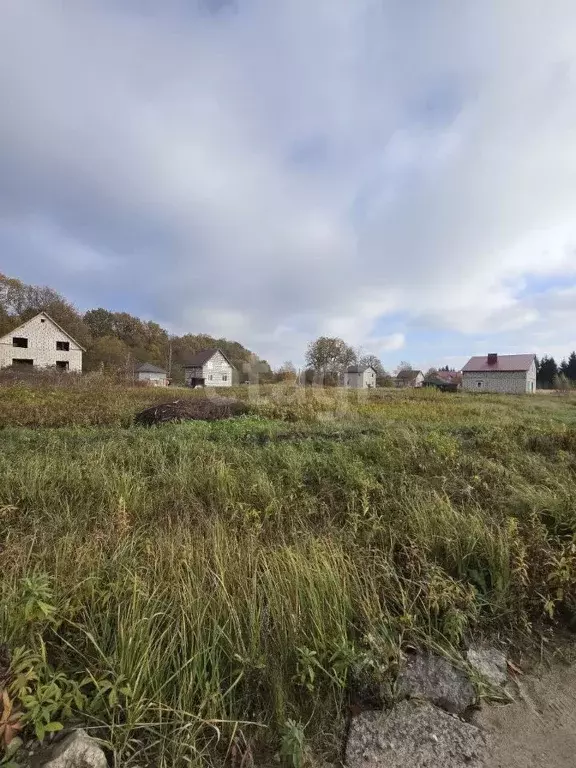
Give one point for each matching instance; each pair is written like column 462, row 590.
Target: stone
column 76, row 750
column 433, row 678
column 490, row 664
column 414, row 734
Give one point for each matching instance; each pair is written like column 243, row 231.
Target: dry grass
column 233, row 577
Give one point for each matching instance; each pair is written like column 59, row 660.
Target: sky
column 399, row 173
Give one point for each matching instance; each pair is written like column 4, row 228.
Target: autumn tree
column 329, row 356
column 372, row 361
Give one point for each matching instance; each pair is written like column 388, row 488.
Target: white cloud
column 280, row 170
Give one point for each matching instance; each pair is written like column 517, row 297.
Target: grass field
column 212, row 590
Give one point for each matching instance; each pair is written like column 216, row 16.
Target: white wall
column 42, row 335
column 217, row 367
column 155, row 379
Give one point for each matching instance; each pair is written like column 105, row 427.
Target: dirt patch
column 538, row 730
column 201, row 408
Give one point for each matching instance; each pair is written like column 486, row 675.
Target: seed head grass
column 220, row 585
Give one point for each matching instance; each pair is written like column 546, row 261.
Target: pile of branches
column 201, row 408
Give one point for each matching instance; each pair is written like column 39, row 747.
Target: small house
column 409, row 378
column 513, row 374
column 360, row 377
column 152, row 375
column 209, row 368
column 40, row 343
column 446, row 381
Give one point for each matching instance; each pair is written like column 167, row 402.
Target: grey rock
column 490, row 664
column 431, row 677
column 77, row 750
column 414, row 734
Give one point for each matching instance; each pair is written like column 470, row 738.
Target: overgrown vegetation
column 211, row 591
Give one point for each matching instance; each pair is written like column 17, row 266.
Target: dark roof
column 506, row 363
column 149, row 368
column 407, row 374
column 201, row 358
column 359, row 368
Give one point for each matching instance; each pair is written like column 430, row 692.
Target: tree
column 568, row 367
column 100, row 322
column 404, row 366
column 329, row 355
column 374, row 361
column 430, row 373
column 108, row 353
column 561, row 381
column 286, row 372
column 547, row 372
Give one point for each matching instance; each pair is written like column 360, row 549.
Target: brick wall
column 514, row 382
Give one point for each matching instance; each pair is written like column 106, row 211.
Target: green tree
column 568, row 367
column 329, row 356
column 547, row 372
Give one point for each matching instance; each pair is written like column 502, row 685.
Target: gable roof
column 47, row 316
column 201, row 358
column 149, row 368
column 407, row 374
column 506, row 363
column 360, row 368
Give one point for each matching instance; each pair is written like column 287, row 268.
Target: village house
column 209, row 368
column 40, row 342
column 446, row 381
column 514, row 374
column 152, row 375
column 409, row 378
column 360, row 377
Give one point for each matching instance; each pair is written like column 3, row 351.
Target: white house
column 209, row 368
column 409, row 378
column 152, row 375
column 515, row 374
column 42, row 343
column 360, row 377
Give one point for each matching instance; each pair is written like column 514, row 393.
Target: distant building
column 515, row 374
column 209, row 368
column 447, row 381
column 40, row 343
column 409, row 378
column 152, row 375
column 360, row 377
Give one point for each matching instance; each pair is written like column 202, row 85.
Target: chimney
column 492, row 358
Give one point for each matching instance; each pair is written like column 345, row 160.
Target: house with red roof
column 513, row 374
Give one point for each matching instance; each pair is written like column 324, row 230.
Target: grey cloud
column 275, row 169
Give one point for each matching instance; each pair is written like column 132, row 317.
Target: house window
column 62, row 364
column 63, row 346
column 19, row 341
column 479, row 384
column 224, row 377
column 22, row 363
column 210, row 377
column 42, row 320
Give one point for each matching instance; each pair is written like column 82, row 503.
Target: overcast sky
column 401, row 173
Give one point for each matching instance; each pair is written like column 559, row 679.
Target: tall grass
column 226, row 579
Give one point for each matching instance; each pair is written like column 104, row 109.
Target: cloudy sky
column 401, row 173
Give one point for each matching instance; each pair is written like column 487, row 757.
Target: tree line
column 551, row 375
column 116, row 342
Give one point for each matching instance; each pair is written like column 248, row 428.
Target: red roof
column 505, row 363
column 448, row 375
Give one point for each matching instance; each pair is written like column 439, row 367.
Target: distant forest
column 553, row 375
column 116, row 342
